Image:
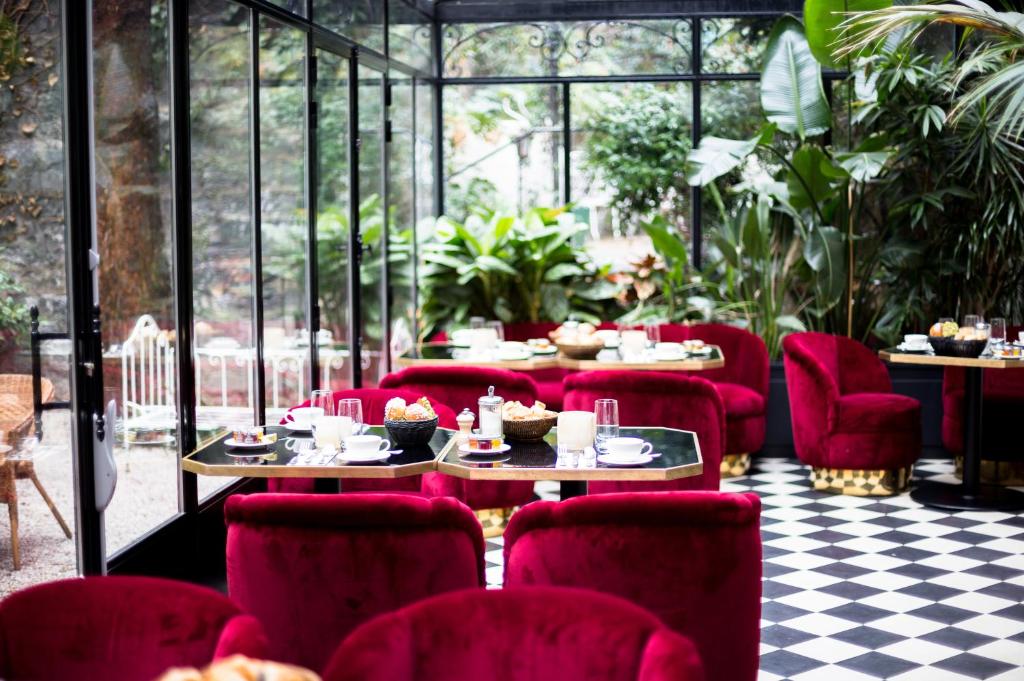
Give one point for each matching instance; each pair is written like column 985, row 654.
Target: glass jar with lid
column 489, row 407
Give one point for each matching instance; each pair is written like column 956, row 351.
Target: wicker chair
column 17, row 420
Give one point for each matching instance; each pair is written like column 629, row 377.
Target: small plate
column 372, row 457
column 706, row 350
column 903, row 347
column 294, row 427
column 550, row 350
column 518, row 357
column 612, row 460
column 231, row 442
column 465, row 449
column 678, row 357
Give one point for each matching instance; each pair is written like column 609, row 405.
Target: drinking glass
column 971, row 320
column 499, row 329
column 606, row 416
column 323, row 399
column 353, row 408
column 476, row 322
column 653, row 331
column 997, row 333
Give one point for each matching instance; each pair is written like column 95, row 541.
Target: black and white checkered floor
column 878, row 588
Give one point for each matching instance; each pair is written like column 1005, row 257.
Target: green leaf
column 554, row 302
column 716, row 156
column 563, row 270
column 488, row 263
column 818, row 177
column 666, row 242
column 792, row 95
column 823, row 17
column 823, row 251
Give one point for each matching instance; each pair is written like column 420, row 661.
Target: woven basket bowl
column 574, row 351
column 949, row 347
column 409, row 433
column 526, row 430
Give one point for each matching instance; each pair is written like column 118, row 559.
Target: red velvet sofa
column 119, row 629
column 699, row 564
column 373, row 400
column 651, row 398
column 534, row 634
column 1002, row 403
column 460, row 387
column 313, row 567
column 742, row 383
column 857, row 435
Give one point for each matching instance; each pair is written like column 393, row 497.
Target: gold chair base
column 1005, row 473
column 494, row 520
column 735, row 465
column 861, row 482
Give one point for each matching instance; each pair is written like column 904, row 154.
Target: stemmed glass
column 971, row 320
column 606, row 418
column 353, row 408
column 653, row 331
column 323, row 399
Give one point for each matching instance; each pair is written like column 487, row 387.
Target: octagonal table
column 444, row 354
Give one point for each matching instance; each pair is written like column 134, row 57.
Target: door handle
column 104, row 467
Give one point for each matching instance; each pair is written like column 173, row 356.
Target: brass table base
column 861, row 482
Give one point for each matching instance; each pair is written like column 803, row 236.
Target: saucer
column 513, row 357
column 234, row 444
column 296, row 427
column 465, row 449
column 674, row 357
column 369, row 457
column 613, row 460
column 903, row 347
column 550, row 350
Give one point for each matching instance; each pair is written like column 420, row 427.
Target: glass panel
column 734, row 45
column 410, row 36
column 284, row 224
column 136, row 274
column 294, row 6
column 32, row 274
column 424, row 150
column 401, row 214
column 221, row 220
column 361, row 21
column 504, row 147
column 582, row 48
column 629, row 145
column 332, row 225
column 371, row 225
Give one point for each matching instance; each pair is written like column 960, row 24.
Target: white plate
column 903, row 347
column 230, row 442
column 706, row 350
column 679, row 356
column 519, row 356
column 612, row 460
column 371, row 457
column 550, row 350
column 294, row 427
column 465, row 449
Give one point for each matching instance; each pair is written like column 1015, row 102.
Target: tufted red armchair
column 460, row 387
column 119, row 629
column 313, row 567
column 742, row 383
column 651, row 398
column 847, row 422
column 373, row 400
column 535, row 634
column 701, row 557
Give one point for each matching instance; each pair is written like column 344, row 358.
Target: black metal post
column 355, row 254
column 37, row 372
column 438, row 124
column 566, row 145
column 181, row 215
column 696, row 195
column 256, row 208
column 568, row 489
column 312, row 189
column 973, row 398
column 84, row 317
column 385, row 241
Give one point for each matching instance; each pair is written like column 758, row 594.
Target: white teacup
column 633, row 342
column 628, row 447
column 1020, row 337
column 915, row 340
column 301, row 418
column 609, row 336
column 331, row 431
column 364, row 445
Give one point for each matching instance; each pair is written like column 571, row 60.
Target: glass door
column 372, row 235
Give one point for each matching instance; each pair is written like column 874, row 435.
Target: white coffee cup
column 628, row 447
column 915, row 340
column 331, row 431
column 609, row 336
column 364, row 445
column 633, row 342
column 302, row 418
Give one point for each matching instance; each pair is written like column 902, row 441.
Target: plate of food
column 251, row 439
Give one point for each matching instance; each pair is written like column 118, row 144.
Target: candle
column 576, row 429
column 489, row 407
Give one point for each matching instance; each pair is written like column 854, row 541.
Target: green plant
column 14, row 314
column 514, row 268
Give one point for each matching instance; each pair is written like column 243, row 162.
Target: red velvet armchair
column 857, row 435
column 699, row 570
column 650, row 398
column 460, row 387
column 535, row 634
column 119, row 629
column 742, row 383
column 1002, row 402
column 373, row 400
column 313, row 567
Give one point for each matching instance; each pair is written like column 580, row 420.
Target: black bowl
column 410, row 433
column 950, row 347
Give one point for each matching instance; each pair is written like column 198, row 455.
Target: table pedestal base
column 956, row 498
column 572, row 488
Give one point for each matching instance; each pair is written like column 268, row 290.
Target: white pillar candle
column 490, row 423
column 576, row 429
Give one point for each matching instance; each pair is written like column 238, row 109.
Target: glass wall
column 401, row 213
column 372, row 228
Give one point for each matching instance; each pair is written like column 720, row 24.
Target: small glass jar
column 489, row 407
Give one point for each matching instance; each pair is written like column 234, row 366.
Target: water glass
column 606, row 416
column 499, row 330
column 997, row 333
column 353, row 408
column 653, row 331
column 324, row 399
column 971, row 321
column 476, row 322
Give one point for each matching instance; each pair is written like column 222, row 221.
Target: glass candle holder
column 489, row 407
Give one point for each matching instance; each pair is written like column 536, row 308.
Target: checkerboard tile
column 871, row 588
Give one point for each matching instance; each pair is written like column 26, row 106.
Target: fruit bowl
column 951, row 347
column 409, row 433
